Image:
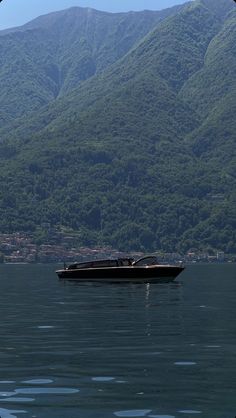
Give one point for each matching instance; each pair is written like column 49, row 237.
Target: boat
column 146, row 269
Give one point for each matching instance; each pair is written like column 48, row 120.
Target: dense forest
column 122, row 127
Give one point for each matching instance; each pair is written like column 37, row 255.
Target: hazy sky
column 18, row 12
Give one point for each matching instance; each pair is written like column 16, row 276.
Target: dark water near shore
column 102, row 351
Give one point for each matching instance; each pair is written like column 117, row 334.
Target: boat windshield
column 78, row 266
column 146, row 261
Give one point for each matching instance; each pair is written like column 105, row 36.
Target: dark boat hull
column 145, row 274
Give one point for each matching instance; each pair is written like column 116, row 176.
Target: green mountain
column 51, row 55
column 138, row 153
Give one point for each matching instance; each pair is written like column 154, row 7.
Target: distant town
column 63, row 247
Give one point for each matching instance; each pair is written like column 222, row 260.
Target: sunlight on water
column 6, row 413
column 17, row 399
column 213, row 346
column 7, row 393
column 38, row 381
column 133, row 413
column 46, row 390
column 185, row 363
column 45, row 326
column 103, row 379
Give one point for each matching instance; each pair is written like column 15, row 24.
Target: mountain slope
column 117, row 159
column 169, row 55
column 51, row 55
column 212, row 89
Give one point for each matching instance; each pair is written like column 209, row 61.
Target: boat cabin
column 120, row 262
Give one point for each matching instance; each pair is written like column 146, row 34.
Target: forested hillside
column 139, row 152
column 49, row 56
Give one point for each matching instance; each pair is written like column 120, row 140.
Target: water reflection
column 17, row 399
column 116, row 350
column 7, row 413
column 133, row 413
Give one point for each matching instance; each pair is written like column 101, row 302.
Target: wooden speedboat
column 145, row 269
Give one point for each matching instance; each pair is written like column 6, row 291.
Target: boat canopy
column 150, row 260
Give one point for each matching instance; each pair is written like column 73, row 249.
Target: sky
column 17, row 12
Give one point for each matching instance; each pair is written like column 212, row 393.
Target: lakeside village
column 62, row 246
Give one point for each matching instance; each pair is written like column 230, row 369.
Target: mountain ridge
column 71, row 48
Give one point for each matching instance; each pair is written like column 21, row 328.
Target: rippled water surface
column 100, row 351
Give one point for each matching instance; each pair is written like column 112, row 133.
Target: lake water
column 102, row 351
